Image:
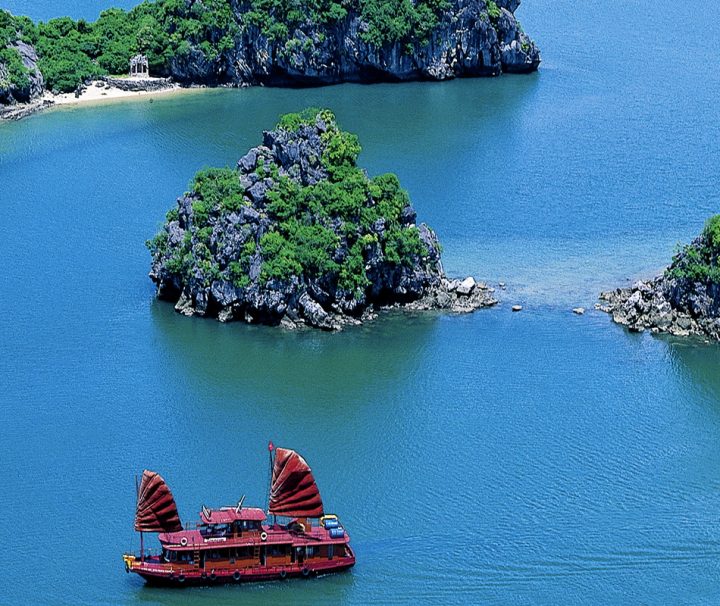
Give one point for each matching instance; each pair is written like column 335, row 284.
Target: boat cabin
column 230, row 522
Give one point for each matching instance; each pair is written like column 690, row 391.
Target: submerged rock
column 683, row 301
column 299, row 235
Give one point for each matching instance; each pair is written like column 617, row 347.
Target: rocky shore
column 683, row 301
column 663, row 305
column 298, row 235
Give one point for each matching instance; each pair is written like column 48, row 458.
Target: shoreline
column 97, row 92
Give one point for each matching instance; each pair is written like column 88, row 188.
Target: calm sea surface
column 498, row 458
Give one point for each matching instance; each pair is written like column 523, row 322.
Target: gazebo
column 139, row 67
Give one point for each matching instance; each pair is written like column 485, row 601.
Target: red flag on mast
column 271, row 446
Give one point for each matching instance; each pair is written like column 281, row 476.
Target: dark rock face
column 466, row 42
column 668, row 304
column 10, row 94
column 206, row 286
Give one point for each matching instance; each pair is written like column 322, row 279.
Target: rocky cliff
column 471, row 38
column 299, row 235
column 20, row 77
column 684, row 300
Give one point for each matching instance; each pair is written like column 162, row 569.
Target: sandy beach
column 95, row 92
column 98, row 91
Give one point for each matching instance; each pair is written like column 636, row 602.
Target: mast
column 271, row 448
column 142, row 538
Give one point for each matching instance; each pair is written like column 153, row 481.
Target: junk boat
column 238, row 544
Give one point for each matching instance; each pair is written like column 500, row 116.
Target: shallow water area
column 529, row 458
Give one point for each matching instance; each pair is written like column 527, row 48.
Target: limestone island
column 684, row 300
column 299, row 235
column 260, row 42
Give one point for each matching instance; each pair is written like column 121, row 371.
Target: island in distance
column 265, row 42
column 299, row 235
column 684, row 300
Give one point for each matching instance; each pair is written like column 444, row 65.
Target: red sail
column 293, row 492
column 156, row 510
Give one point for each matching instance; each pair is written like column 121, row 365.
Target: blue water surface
column 497, row 458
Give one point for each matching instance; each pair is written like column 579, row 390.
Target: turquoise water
column 532, row 458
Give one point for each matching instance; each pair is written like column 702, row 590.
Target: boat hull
column 187, row 578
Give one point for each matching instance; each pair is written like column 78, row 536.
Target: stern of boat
column 130, row 561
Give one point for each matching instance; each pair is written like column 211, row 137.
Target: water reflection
column 307, row 368
column 699, row 362
column 326, row 590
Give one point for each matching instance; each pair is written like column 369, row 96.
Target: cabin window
column 277, row 550
column 215, row 530
column 312, row 552
column 331, row 551
column 217, row 554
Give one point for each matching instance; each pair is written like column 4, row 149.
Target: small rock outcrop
column 299, row 235
column 684, row 300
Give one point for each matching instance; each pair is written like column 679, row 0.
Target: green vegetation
column 303, row 240
column 73, row 52
column 700, row 260
column 327, row 231
column 400, row 20
column 219, row 187
column 293, row 122
column 276, row 19
column 17, row 73
column 493, row 10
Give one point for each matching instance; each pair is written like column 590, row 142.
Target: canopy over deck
column 228, row 515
